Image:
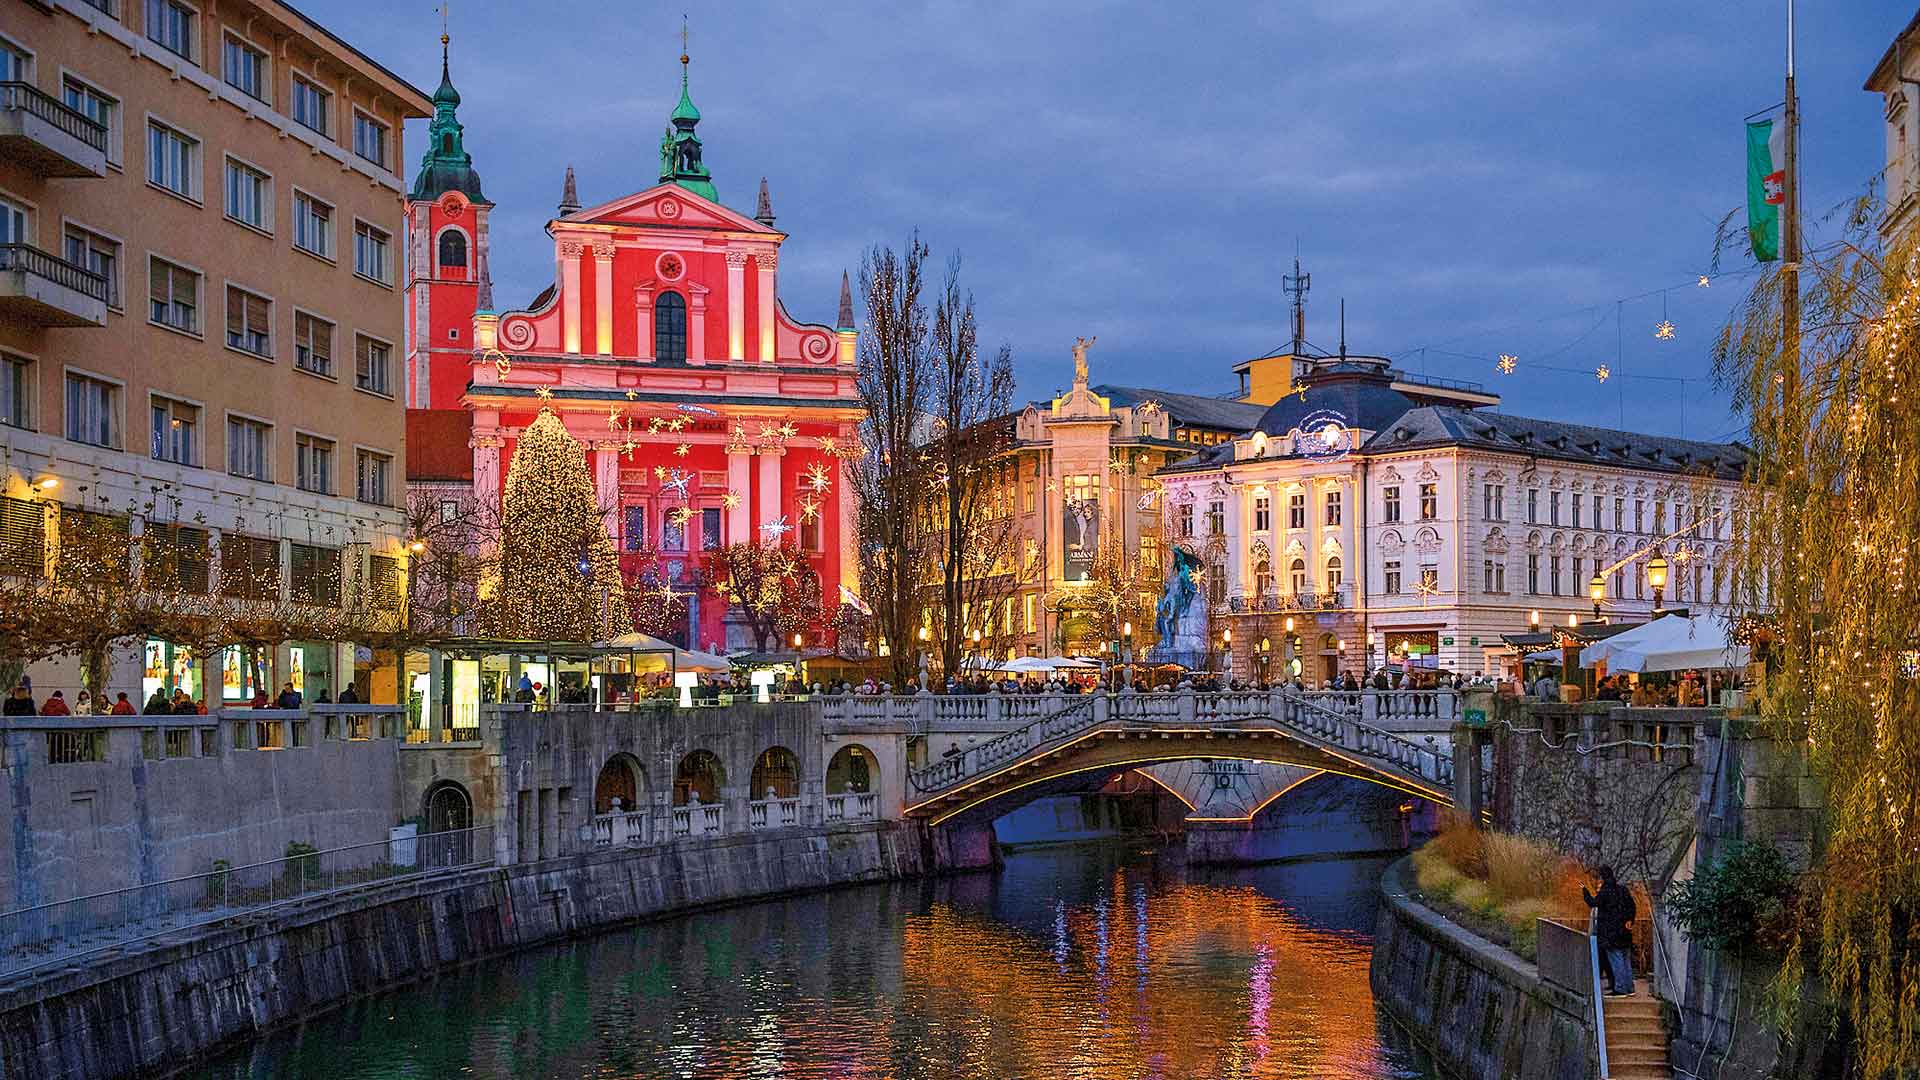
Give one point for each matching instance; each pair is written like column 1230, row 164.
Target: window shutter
column 23, row 537
column 236, row 311
column 160, row 283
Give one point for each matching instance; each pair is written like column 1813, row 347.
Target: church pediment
column 669, row 206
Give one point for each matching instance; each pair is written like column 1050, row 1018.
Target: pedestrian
column 1614, row 910
column 289, row 697
column 121, row 706
column 55, row 706
column 83, row 705
column 157, row 702
column 350, row 694
column 19, row 702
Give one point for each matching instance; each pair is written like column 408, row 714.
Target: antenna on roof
column 1297, row 285
column 1343, row 328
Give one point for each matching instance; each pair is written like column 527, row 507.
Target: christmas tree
column 559, row 576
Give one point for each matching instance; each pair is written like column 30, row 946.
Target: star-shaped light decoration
column 543, row 392
column 628, row 446
column 809, row 509
column 777, row 529
column 633, row 395
column 675, row 480
column 818, row 478
column 678, row 423
column 659, row 472
column 653, row 425
column 683, row 450
column 613, row 418
column 1704, row 282
column 1507, row 363
column 680, row 515
column 1301, row 390
column 1664, row 331
column 829, row 444
column 730, row 500
column 788, row 431
column 769, row 431
column 1603, row 373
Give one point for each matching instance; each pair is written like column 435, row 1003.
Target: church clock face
column 670, row 267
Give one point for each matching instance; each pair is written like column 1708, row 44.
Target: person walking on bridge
column 1614, row 910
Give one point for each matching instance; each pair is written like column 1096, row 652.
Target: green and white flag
column 1766, row 186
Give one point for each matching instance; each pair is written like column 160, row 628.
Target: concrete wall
column 1482, row 1012
column 140, row 816
column 165, row 1007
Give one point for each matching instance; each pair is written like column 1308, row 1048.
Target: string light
column 1507, row 363
column 1603, row 373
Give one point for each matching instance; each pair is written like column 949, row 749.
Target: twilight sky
column 1473, row 178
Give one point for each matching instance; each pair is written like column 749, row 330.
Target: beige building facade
column 200, row 316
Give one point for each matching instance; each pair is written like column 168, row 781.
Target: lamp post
column 1262, row 655
column 1597, row 589
column 1657, row 577
column 1226, row 650
column 1371, row 639
column 1340, row 649
column 1126, row 650
column 1289, row 649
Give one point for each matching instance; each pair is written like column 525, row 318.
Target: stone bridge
column 1050, row 738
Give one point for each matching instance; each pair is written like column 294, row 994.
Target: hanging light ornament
column 1508, row 363
column 1704, row 282
column 1603, row 373
column 1664, row 331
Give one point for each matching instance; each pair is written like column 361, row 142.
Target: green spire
column 446, row 166
column 679, row 147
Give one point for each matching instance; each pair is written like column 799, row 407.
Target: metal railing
column 42, row 264
column 27, row 97
column 1599, row 1002
column 61, row 931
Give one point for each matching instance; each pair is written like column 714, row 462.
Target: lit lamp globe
column 1657, row 577
column 1597, row 591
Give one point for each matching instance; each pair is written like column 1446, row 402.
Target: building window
column 1660, row 515
column 170, row 26
column 14, row 224
column 310, row 104
column 1216, row 518
column 1579, row 577
column 1619, row 515
column 249, row 322
column 1533, row 506
column 312, row 225
column 92, row 411
column 1429, row 579
column 370, row 472
column 372, row 253
column 1533, row 573
column 313, row 464
column 172, row 160
column 1553, row 574
column 670, row 328
column 1577, row 497
column 710, row 530
column 371, row 361
column 1500, row 575
column 98, row 254
column 1263, row 577
column 1390, row 506
column 1553, row 508
column 1429, row 501
column 176, row 431
column 1639, row 515
column 174, row 295
column 673, row 535
column 1297, row 576
column 1297, row 510
column 1333, row 507
column 244, row 67
column 312, row 344
column 1486, row 572
column 370, row 139
column 248, row 449
column 102, row 108
column 1392, row 585
column 1183, row 521
column 1335, row 573
column 1493, row 502
column 1026, row 603
column 453, row 249
column 1596, row 511
column 634, row 535
column 16, row 392
column 249, row 196
column 314, row 576
column 1262, row 513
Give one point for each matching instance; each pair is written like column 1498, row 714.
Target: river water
column 1099, row 963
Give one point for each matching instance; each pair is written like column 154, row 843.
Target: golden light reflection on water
column 1185, row 981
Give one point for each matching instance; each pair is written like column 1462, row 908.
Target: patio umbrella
column 1672, row 643
column 683, row 659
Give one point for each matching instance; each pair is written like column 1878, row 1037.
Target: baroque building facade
column 1359, row 523
column 710, row 415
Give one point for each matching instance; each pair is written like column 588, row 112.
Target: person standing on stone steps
column 1615, row 909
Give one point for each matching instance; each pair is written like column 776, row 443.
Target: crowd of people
column 162, row 702
column 1687, row 690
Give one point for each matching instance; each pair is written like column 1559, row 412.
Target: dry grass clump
column 1463, row 845
column 1509, row 882
column 1519, row 868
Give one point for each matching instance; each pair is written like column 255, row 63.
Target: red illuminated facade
column 710, row 415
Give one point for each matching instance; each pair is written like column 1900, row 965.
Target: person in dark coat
column 20, row 702
column 158, row 704
column 1614, row 910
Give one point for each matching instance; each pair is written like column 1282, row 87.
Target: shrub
column 1519, row 868
column 1436, row 877
column 1723, row 904
column 1474, row 896
column 1463, row 845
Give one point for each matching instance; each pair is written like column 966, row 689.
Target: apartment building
column 200, row 311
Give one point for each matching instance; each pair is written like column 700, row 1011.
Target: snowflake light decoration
column 730, row 500
column 1704, row 282
column 675, row 480
column 680, row 515
column 633, row 395
column 777, row 529
column 659, row 472
column 677, row 423
column 788, row 431
column 829, row 444
column 809, row 509
column 1603, row 373
column 1664, row 331
column 1324, row 436
column 1507, row 363
column 543, row 392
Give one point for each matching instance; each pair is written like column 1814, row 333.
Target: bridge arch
column 853, row 770
column 698, row 776
column 776, row 775
column 622, row 778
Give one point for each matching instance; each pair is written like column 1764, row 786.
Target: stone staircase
column 1636, row 1036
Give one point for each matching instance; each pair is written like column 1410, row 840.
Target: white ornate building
column 1381, row 526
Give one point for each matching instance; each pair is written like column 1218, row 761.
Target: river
column 1095, row 962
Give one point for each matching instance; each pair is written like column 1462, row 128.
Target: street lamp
column 1126, row 650
column 1597, row 589
column 1226, row 650
column 418, row 547
column 1657, row 577
column 1371, row 639
column 1533, row 619
column 1264, row 654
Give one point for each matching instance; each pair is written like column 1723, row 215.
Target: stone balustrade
column 1398, row 711
column 856, row 806
column 773, row 813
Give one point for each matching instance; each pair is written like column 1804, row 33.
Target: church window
column 453, row 248
column 670, row 328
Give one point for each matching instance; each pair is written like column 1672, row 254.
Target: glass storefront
column 242, row 671
column 312, row 664
column 169, row 667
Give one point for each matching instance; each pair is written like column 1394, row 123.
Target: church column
column 739, row 483
column 767, row 261
column 643, row 308
column 736, row 305
column 606, row 484
column 696, row 324
column 770, row 488
column 849, row 528
column 603, row 299
column 570, row 296
column 486, row 467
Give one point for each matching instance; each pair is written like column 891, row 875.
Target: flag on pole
column 1766, row 186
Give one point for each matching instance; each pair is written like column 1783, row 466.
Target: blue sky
column 1473, row 178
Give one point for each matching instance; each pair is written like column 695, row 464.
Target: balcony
column 47, row 290
column 46, row 137
column 1338, row 598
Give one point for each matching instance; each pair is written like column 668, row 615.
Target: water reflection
column 1084, row 963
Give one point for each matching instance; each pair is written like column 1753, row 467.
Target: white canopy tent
column 1549, row 656
column 683, row 659
column 1033, row 665
column 1671, row 643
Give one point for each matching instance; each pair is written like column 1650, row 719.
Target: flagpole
column 1790, row 234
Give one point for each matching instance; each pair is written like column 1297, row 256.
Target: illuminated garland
column 559, row 575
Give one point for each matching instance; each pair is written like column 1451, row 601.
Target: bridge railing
column 63, row 931
column 1390, row 710
column 1003, row 749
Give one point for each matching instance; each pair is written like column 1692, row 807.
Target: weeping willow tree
column 559, row 577
column 1828, row 532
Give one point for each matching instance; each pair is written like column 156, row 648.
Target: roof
column 437, row 444
column 1192, row 409
column 1361, row 393
column 1884, row 70
column 1445, row 425
column 419, row 101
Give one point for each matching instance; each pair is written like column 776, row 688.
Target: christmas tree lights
column 550, row 527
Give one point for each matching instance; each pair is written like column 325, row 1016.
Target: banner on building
column 1080, row 529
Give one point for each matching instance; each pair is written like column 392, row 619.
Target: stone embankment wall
column 1483, row 1013
column 163, row 1008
